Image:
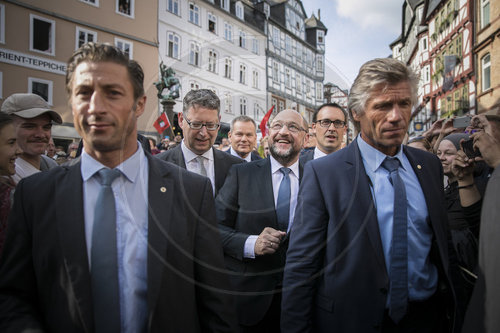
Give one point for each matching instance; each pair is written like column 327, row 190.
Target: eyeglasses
column 294, row 128
column 327, row 122
column 197, row 125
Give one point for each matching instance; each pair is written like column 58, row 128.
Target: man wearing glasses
column 255, row 209
column 200, row 121
column 329, row 126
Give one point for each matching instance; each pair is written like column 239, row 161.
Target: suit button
column 383, row 291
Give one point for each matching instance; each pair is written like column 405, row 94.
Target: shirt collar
column 129, row 168
column 375, row 157
column 234, row 153
column 318, row 153
column 275, row 166
column 189, row 155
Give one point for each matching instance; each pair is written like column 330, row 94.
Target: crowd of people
column 299, row 233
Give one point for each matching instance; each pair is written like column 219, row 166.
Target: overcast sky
column 358, row 30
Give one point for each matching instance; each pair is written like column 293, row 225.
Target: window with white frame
column 243, row 106
column 243, row 74
column 276, row 37
column 299, row 51
column 240, row 12
column 1, row 85
column 486, row 72
column 255, row 46
column 307, row 89
column 228, row 32
column 2, row 23
column 228, row 102
column 194, row 85
column 41, row 88
column 320, row 37
column 276, row 72
column 228, row 68
column 319, row 63
column 42, row 34
column 125, row 46
column 485, row 13
column 194, row 54
column 212, row 23
column 212, row 61
column 91, row 2
column 84, row 36
column 319, row 91
column 288, row 44
column 224, row 4
column 256, row 108
column 288, row 78
column 424, row 44
column 255, row 79
column 173, row 45
column 298, row 84
column 194, row 14
column 243, row 39
column 173, row 6
column 125, row 7
column 426, row 74
column 267, row 9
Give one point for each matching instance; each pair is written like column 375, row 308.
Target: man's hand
column 463, row 167
column 488, row 146
column 268, row 241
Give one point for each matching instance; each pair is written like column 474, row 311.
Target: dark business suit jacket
column 335, row 276
column 244, row 207
column 253, row 155
column 307, row 155
column 222, row 163
column 44, row 271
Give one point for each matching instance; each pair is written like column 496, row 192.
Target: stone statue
column 168, row 86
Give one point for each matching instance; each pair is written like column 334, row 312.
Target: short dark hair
column 244, row 119
column 201, row 97
column 5, row 119
column 99, row 52
column 333, row 105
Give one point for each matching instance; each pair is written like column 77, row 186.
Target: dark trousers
column 422, row 317
column 271, row 321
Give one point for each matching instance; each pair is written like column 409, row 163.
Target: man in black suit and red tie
column 369, row 248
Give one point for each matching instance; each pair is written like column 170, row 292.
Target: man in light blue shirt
column 369, row 246
column 133, row 244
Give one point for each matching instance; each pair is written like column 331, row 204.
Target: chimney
column 319, row 14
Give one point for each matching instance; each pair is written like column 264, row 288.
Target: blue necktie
column 399, row 251
column 104, row 266
column 283, row 204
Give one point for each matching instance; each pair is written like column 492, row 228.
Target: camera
column 468, row 148
column 461, row 122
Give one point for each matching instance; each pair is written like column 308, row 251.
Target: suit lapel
column 179, row 157
column 219, row 164
column 161, row 197
column 71, row 230
column 366, row 215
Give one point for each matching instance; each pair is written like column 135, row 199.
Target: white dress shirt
column 318, row 153
column 277, row 177
column 193, row 165
column 234, row 153
column 131, row 197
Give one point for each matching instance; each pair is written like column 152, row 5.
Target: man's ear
column 180, row 117
column 140, row 106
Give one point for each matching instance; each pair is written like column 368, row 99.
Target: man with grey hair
column 33, row 119
column 200, row 122
column 243, row 136
column 369, row 247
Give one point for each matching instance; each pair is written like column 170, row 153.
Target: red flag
column 264, row 121
column 161, row 124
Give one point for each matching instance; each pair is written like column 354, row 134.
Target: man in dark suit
column 329, row 125
column 200, row 121
column 369, row 247
column 254, row 220
column 89, row 254
column 243, row 136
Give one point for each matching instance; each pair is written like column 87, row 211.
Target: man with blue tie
column 118, row 241
column 255, row 210
column 369, row 247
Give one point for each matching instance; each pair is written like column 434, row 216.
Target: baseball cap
column 29, row 106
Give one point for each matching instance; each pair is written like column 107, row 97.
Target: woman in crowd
column 463, row 194
column 9, row 151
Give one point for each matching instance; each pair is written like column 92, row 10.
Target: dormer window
column 240, row 13
column 267, row 10
column 321, row 37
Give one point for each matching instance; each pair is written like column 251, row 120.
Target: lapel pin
column 419, row 166
column 163, row 189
